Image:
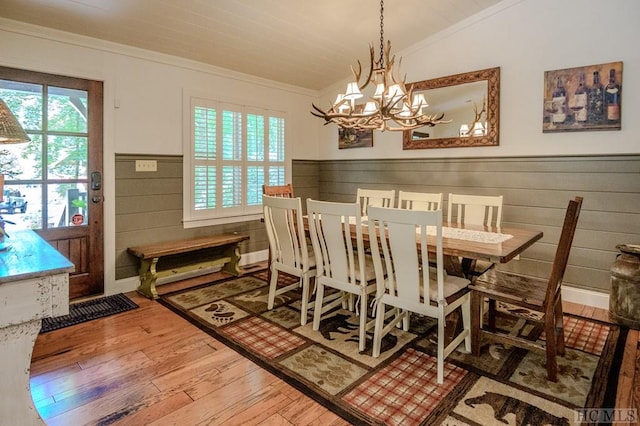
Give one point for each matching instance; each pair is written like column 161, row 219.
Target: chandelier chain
column 381, row 33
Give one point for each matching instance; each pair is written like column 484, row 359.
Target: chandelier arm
column 357, row 75
column 478, row 115
column 371, row 68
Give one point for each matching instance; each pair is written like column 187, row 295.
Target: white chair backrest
column 420, row 200
column 375, row 197
column 475, row 209
column 403, row 258
column 285, row 230
column 336, row 256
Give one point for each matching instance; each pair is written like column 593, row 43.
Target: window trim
column 197, row 218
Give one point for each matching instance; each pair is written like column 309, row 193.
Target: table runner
column 462, row 234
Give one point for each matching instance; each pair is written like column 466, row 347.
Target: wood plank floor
column 149, row 366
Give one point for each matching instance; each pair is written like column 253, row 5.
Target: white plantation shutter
column 235, row 150
column 276, row 151
column 255, row 158
column 205, row 149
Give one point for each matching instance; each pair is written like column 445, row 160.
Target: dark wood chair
column 276, row 191
column 534, row 294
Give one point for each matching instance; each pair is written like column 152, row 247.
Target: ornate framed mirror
column 470, row 100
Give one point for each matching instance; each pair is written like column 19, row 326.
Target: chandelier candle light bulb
column 392, row 107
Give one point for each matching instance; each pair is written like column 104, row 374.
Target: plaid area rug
column 502, row 386
column 89, row 310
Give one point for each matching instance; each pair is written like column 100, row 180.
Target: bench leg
column 148, row 276
column 233, row 266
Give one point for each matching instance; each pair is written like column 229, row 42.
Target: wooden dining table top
column 503, row 252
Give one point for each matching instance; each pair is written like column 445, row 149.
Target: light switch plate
column 146, row 166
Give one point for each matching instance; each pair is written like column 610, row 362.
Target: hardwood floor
column 149, row 366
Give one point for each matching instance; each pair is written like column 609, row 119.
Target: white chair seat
column 452, row 285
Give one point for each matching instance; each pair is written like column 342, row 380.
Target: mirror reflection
column 463, row 105
column 470, row 101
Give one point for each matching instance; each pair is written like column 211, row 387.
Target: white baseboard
column 592, row 298
column 131, row 283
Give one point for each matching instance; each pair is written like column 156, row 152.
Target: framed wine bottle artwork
column 583, row 98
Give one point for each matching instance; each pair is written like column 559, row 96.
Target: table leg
column 16, row 404
column 453, row 266
column 476, row 322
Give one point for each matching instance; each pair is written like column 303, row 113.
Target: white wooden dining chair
column 420, row 200
column 481, row 210
column 340, row 265
column 285, row 190
column 375, row 197
column 398, row 239
column 289, row 251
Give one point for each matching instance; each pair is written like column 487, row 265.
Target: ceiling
column 305, row 43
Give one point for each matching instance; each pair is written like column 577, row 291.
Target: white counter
column 34, row 284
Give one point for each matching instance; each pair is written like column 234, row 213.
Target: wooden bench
column 228, row 256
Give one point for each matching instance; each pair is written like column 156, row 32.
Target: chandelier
column 392, row 107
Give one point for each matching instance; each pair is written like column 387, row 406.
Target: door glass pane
column 67, row 110
column 67, row 157
column 67, row 204
column 22, row 161
column 21, row 207
column 25, row 102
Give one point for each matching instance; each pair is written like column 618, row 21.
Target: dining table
column 463, row 243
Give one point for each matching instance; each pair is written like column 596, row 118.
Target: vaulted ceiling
column 305, row 43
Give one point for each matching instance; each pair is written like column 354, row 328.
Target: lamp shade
column 10, row 129
column 353, row 91
column 478, row 129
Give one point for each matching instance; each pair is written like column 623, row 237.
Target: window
column 232, row 151
column 47, row 178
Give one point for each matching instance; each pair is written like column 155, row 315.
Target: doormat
column 86, row 311
column 501, row 386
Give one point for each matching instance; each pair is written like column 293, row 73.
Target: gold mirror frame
column 492, row 76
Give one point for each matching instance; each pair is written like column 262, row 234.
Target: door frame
column 89, row 276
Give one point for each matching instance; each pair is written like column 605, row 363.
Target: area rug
column 501, row 386
column 86, row 311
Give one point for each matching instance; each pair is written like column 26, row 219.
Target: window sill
column 196, row 223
